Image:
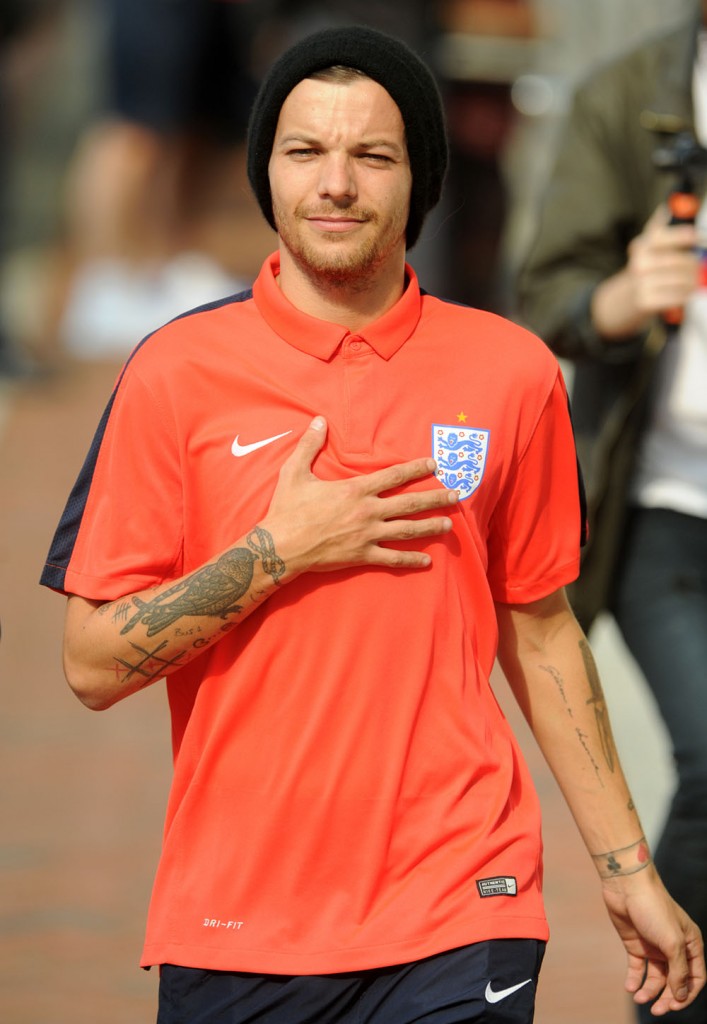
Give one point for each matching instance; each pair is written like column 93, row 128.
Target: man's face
column 340, row 179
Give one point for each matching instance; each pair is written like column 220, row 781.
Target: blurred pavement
column 82, row 795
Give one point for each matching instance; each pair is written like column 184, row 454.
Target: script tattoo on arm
column 213, row 590
column 559, row 682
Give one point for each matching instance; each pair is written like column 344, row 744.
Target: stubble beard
column 335, row 262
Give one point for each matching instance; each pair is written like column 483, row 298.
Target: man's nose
column 337, row 179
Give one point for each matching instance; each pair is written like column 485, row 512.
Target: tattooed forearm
column 120, row 611
column 214, row 590
column 148, row 664
column 261, row 541
column 582, row 737
column 626, row 861
column 600, row 710
column 559, row 683
column 117, row 610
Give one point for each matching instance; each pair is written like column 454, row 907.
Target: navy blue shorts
column 491, row 982
column 182, row 65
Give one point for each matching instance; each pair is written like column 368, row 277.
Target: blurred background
column 124, row 201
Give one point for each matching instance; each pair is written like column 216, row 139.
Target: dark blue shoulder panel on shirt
column 62, row 545
column 447, row 302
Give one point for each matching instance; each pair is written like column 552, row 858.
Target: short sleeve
column 122, row 527
column 537, row 528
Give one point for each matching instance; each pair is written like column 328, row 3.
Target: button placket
column 359, row 360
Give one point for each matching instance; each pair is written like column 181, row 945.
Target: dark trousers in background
column 661, row 610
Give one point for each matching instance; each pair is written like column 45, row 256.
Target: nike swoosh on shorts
column 493, row 996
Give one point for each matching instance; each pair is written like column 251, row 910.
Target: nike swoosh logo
column 495, row 997
column 239, row 450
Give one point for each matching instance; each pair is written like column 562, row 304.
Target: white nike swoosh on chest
column 240, row 450
column 495, row 997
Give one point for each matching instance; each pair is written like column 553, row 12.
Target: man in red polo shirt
column 320, row 509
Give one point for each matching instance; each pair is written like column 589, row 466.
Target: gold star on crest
column 461, row 417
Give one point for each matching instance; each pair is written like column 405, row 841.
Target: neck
column 350, row 304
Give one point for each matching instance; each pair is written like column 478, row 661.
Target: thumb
column 660, row 218
column 309, row 445
column 678, row 976
column 635, row 972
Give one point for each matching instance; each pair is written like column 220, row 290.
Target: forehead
column 359, row 109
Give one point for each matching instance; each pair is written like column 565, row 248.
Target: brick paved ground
column 82, row 795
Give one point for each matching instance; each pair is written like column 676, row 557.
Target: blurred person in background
column 157, row 211
column 18, row 19
column 615, row 284
column 159, row 216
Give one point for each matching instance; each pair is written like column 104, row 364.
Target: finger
column 410, row 504
column 635, row 973
column 674, row 254
column 659, row 231
column 665, row 991
column 666, row 1003
column 391, row 477
column 681, row 236
column 653, row 982
column 396, row 558
column 414, row 529
column 406, row 530
column 308, row 447
column 678, row 987
column 659, row 218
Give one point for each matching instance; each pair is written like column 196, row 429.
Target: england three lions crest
column 460, row 453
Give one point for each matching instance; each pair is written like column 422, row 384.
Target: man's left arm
column 549, row 666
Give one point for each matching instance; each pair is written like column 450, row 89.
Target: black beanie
column 387, row 61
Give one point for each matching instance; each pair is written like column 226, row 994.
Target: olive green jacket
column 603, row 189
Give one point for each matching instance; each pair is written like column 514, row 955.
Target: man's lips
column 334, row 224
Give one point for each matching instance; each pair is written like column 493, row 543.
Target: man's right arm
column 116, row 648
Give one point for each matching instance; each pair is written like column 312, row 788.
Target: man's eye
column 301, row 152
column 377, row 158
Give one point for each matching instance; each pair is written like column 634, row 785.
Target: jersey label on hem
column 503, row 885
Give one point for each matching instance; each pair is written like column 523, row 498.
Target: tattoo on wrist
column 260, row 540
column 626, row 861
